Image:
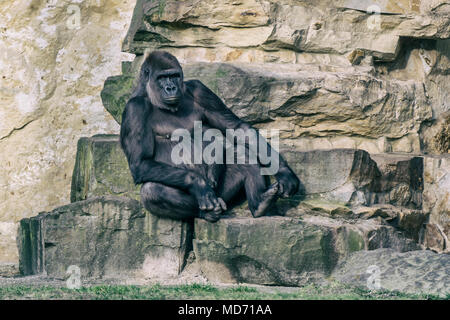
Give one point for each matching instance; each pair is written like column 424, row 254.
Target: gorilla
column 163, row 102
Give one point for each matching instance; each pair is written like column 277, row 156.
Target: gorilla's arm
column 219, row 116
column 137, row 141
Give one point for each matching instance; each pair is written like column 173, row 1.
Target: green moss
column 161, row 7
column 101, row 168
column 115, row 94
column 355, row 241
column 221, row 72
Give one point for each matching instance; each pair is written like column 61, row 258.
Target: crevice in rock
column 17, row 129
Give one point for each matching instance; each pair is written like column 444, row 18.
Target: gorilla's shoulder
column 139, row 100
column 138, row 103
column 191, row 85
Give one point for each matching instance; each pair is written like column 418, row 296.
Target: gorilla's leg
column 259, row 194
column 168, row 202
column 240, row 178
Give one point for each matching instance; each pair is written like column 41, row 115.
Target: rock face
column 327, row 74
column 54, row 60
column 413, row 272
column 437, row 202
column 345, row 176
column 101, row 168
column 330, row 74
column 105, row 237
column 306, row 102
column 360, row 100
column 347, row 205
column 283, row 250
column 336, row 27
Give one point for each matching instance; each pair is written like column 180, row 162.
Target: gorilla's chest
column 164, row 124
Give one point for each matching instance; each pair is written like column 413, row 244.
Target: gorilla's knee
column 150, row 191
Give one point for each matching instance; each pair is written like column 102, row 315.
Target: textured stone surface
column 358, row 76
column 9, row 270
column 301, row 101
column 337, row 27
column 101, row 168
column 8, row 251
column 50, row 82
column 284, row 250
column 345, row 176
column 110, row 237
column 436, row 197
column 413, row 272
column 327, row 74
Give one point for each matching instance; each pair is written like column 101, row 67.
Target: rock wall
column 327, row 74
column 54, row 58
column 370, row 75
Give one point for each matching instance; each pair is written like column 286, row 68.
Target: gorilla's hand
column 288, row 183
column 207, row 199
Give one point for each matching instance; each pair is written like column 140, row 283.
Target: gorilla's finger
column 202, row 203
column 222, row 204
column 280, row 188
column 217, row 204
column 209, row 202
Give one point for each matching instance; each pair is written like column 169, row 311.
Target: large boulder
column 346, row 176
column 251, row 26
column 108, row 237
column 414, row 272
column 355, row 74
column 436, row 200
column 101, row 168
column 285, row 250
column 306, row 101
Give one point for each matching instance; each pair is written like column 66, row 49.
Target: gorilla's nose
column 171, row 90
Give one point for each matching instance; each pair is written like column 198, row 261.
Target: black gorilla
column 163, row 102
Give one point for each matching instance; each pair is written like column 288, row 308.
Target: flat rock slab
column 101, row 168
column 105, row 237
column 260, row 93
column 347, row 176
column 283, row 250
column 420, row 271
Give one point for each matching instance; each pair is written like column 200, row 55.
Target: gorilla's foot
column 210, row 216
column 268, row 198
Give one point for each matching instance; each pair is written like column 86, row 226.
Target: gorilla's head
column 161, row 79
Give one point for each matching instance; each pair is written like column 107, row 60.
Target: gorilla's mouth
column 172, row 100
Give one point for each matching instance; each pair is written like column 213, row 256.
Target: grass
column 200, row 292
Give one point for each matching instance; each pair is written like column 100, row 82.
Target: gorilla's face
column 165, row 88
column 169, row 85
column 162, row 80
